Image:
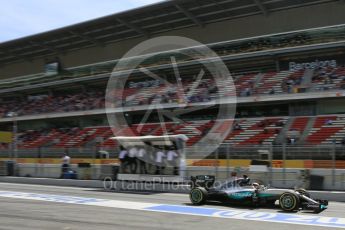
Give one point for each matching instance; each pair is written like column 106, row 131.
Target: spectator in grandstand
column 132, row 154
column 58, row 103
column 4, row 146
column 292, row 140
column 288, row 85
column 212, row 89
column 237, row 127
column 165, row 99
column 272, row 91
column 247, row 92
column 65, row 164
column 299, row 80
column 342, row 84
column 142, row 158
column 172, row 158
column 262, row 124
column 329, row 122
column 280, row 123
column 102, row 154
column 289, row 88
column 123, row 157
column 333, row 74
column 343, row 141
column 159, row 161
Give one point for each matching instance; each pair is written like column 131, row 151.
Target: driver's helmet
column 246, row 178
column 256, row 185
column 245, row 181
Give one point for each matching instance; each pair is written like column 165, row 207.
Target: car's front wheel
column 198, row 196
column 289, row 201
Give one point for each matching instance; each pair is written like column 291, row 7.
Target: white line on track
column 186, row 210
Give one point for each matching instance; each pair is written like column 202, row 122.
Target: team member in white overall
column 123, row 157
column 172, row 158
column 142, row 158
column 160, row 155
column 133, row 152
column 65, row 164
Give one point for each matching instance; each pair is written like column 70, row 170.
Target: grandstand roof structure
column 141, row 22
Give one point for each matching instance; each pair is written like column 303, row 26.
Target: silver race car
column 243, row 191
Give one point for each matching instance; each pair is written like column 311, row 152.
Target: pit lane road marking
column 186, row 210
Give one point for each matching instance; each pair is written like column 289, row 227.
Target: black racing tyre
column 289, row 201
column 198, row 196
column 304, row 192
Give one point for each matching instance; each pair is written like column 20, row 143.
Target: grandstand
column 289, row 78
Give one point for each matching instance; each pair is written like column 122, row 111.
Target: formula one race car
column 246, row 192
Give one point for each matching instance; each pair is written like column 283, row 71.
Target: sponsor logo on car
column 240, row 195
column 313, row 205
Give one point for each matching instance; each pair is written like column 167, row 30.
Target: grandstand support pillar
column 9, row 151
column 216, row 163
column 96, row 153
column 83, row 88
column 14, row 151
column 37, row 170
column 15, row 131
column 277, row 65
column 228, row 161
column 270, row 155
column 284, row 161
column 39, row 162
column 333, row 164
column 39, row 154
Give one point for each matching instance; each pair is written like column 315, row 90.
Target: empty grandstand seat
column 325, row 130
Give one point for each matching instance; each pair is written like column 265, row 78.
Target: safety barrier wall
column 276, row 177
column 309, row 164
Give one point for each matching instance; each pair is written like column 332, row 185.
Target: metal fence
column 225, row 151
column 326, row 162
column 289, row 178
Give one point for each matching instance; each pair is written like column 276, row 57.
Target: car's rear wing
column 204, row 181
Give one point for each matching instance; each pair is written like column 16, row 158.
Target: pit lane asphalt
column 32, row 214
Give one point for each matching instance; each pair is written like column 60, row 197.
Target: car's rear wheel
column 198, row 196
column 289, row 201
